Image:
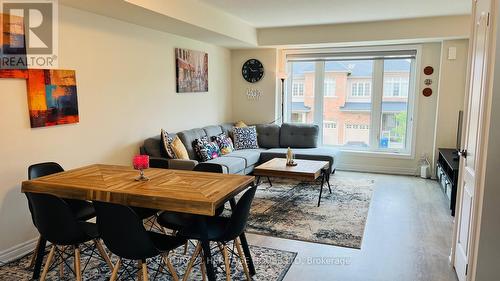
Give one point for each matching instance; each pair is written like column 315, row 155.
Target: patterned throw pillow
column 245, row 138
column 225, row 144
column 167, row 144
column 206, row 150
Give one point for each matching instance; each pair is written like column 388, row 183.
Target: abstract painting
column 14, row 73
column 52, row 98
column 191, row 71
column 13, row 43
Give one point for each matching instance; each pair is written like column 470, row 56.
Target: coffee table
column 306, row 170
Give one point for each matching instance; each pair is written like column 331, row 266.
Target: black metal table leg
column 269, row 180
column 244, row 245
column 321, row 188
column 328, row 181
column 39, row 258
column 257, row 181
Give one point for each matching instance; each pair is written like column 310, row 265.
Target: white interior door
column 473, row 131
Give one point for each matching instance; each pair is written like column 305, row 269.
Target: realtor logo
column 36, row 39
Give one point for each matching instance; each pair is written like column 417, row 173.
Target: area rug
column 288, row 209
column 270, row 264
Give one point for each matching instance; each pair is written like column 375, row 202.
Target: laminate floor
column 407, row 238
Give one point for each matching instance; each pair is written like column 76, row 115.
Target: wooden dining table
column 189, row 192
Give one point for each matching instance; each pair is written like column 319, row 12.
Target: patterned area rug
column 289, row 210
column 270, row 264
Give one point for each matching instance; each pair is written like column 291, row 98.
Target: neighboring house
column 347, row 105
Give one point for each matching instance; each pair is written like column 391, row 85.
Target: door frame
column 475, row 224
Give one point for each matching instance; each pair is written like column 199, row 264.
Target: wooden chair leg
column 186, row 247
column 78, row 270
column 61, row 265
column 203, row 270
column 33, row 257
column 47, row 263
column 103, row 253
column 139, row 270
column 144, row 269
column 226, row 262
column 242, row 258
column 114, row 274
column 191, row 262
column 170, row 267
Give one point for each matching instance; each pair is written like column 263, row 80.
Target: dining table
column 191, row 192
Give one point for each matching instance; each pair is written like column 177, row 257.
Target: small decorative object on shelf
column 289, row 158
column 141, row 162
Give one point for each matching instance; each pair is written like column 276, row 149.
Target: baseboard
column 17, row 251
column 377, row 169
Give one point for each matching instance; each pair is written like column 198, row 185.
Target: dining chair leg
column 226, row 263
column 103, row 253
column 186, row 247
column 144, row 269
column 114, row 274
column 139, row 270
column 203, row 270
column 170, row 267
column 78, row 270
column 61, row 265
column 47, row 263
column 191, row 262
column 35, row 253
column 242, row 258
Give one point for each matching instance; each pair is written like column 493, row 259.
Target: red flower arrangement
column 141, row 162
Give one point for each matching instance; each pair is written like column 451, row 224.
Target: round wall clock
column 252, row 70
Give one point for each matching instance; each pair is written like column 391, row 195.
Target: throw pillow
column 167, row 144
column 245, row 138
column 206, row 150
column 240, row 124
column 179, row 149
column 225, row 144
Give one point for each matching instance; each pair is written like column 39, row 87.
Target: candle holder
column 141, row 162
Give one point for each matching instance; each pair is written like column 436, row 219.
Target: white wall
column 264, row 109
column 452, row 80
column 126, row 93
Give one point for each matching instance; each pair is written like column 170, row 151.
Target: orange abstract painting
column 52, row 97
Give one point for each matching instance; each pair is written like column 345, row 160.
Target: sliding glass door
column 359, row 103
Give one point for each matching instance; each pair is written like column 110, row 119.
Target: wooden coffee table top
column 170, row 190
column 308, row 170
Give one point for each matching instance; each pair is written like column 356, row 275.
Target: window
column 375, row 106
column 329, row 125
column 298, row 89
column 361, row 89
column 396, row 86
column 330, row 87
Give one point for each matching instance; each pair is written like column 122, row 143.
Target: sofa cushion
column 205, row 149
column 251, row 156
column 153, row 147
column 227, row 128
column 268, row 135
column 166, row 141
column 187, row 137
column 245, row 138
column 179, row 149
column 232, row 165
column 299, row 135
column 225, row 143
column 212, row 131
column 329, row 154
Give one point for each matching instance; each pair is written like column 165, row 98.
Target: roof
column 357, row 68
column 300, row 106
column 366, row 106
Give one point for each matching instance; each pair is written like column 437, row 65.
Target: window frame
column 375, row 124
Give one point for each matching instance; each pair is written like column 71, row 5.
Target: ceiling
column 278, row 13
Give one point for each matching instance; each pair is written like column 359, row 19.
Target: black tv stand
column 447, row 174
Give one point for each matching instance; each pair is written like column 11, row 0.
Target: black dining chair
column 222, row 230
column 83, row 210
column 176, row 221
column 124, row 235
column 57, row 223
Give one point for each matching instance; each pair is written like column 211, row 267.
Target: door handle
column 463, row 153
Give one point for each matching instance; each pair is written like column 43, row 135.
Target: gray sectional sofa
column 273, row 142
